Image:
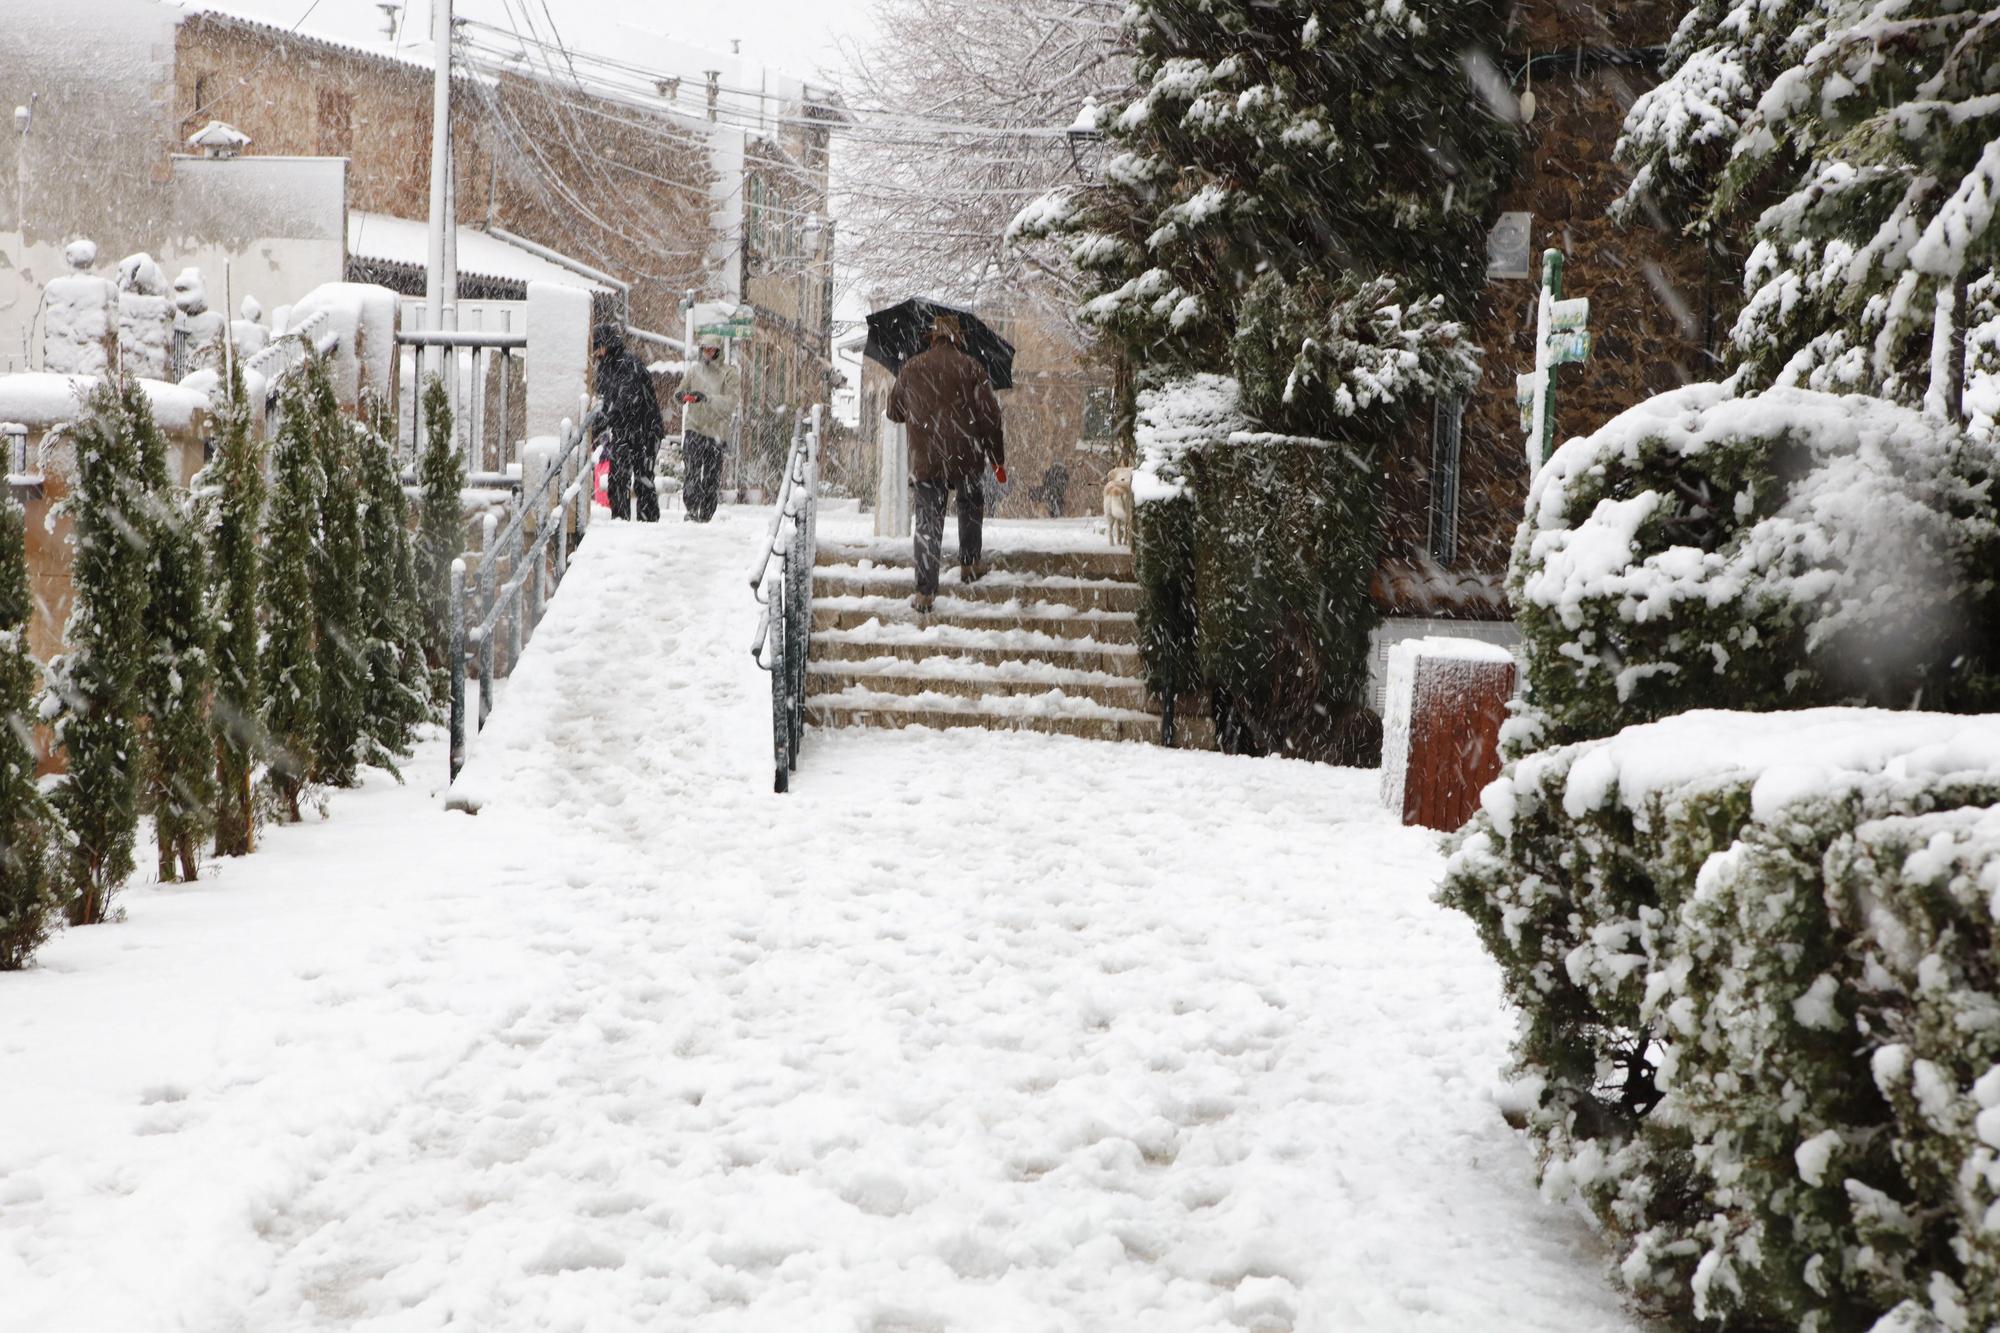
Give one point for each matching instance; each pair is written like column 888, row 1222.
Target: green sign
column 724, row 321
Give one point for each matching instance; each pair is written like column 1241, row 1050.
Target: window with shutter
column 1447, row 418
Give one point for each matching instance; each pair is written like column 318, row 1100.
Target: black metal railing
column 784, row 630
column 532, row 564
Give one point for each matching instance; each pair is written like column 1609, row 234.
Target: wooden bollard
column 1441, row 723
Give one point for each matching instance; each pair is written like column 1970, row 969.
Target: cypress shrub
column 398, row 691
column 338, row 587
column 179, row 671
column 236, row 482
column 440, row 531
column 97, row 679
column 29, row 897
column 290, row 662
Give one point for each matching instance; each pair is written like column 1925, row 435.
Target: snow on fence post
column 558, row 356
column 1442, row 711
column 457, row 658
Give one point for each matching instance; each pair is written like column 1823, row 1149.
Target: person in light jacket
column 945, row 397
column 710, row 393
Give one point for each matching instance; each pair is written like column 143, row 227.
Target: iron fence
column 784, row 630
column 509, row 585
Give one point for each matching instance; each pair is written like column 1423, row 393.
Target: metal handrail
column 784, row 628
column 530, row 574
column 460, row 338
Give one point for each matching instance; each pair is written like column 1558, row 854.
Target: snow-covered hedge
column 1757, row 960
column 1781, row 551
column 1254, row 553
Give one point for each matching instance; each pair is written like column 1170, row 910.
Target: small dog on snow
column 1118, row 506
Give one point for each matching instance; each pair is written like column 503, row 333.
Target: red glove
column 1000, row 475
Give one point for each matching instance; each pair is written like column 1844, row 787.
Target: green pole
column 1552, row 282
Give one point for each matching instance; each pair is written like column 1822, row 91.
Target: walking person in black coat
column 629, row 413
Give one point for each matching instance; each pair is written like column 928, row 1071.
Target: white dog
column 1118, row 506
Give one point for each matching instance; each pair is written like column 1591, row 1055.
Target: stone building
column 649, row 169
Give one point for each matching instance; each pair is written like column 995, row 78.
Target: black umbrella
column 898, row 332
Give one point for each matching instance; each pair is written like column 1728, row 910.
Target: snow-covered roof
column 394, row 240
column 608, row 52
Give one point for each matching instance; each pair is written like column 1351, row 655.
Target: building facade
column 1458, row 480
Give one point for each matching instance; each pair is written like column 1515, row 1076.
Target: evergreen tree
column 337, row 587
column 237, row 478
column 28, row 892
column 440, row 530
column 1289, row 166
column 179, row 669
column 1857, row 145
column 97, row 679
column 290, row 662
column 398, row 696
column 1299, row 196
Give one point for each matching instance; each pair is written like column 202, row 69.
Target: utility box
column 1444, row 704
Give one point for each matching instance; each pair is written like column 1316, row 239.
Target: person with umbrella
column 945, row 397
column 629, row 412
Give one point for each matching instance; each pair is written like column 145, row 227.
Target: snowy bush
column 1756, row 959
column 1254, row 552
column 96, row 680
column 1781, row 551
column 28, row 896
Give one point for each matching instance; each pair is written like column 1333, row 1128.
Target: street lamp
column 1083, row 130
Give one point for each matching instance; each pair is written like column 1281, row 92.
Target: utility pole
column 441, row 285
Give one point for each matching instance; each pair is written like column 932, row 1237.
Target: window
column 1100, row 414
column 204, row 88
column 336, row 123
column 753, row 226
column 1447, row 420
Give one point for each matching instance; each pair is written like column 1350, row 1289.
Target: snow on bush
column 1756, row 959
column 1791, row 549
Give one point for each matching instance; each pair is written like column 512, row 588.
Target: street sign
column 723, row 319
column 1562, row 338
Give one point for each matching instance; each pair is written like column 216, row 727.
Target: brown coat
column 946, row 399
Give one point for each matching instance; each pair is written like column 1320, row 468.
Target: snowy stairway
column 1046, row 641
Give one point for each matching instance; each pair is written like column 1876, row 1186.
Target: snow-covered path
column 969, row 1032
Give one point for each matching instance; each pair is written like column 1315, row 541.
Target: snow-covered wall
column 96, row 76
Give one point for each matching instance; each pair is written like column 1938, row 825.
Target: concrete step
column 1107, row 562
column 968, row 678
column 998, row 586
column 864, row 708
column 1045, row 618
column 915, row 643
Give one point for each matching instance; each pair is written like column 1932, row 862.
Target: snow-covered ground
column 968, row 1032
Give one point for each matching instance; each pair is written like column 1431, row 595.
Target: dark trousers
column 632, row 465
column 931, row 497
column 701, row 479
